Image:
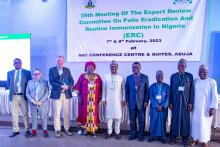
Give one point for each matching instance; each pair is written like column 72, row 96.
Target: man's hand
column 34, row 102
column 190, row 107
column 39, row 103
column 104, row 103
column 211, row 112
column 159, row 108
column 123, row 103
column 145, row 104
column 171, row 106
column 64, row 87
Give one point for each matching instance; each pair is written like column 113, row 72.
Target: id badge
column 18, row 84
column 181, row 88
column 158, row 97
column 91, row 85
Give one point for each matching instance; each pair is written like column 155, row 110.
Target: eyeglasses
column 35, row 74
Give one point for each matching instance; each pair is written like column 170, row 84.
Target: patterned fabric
column 90, row 125
column 90, row 89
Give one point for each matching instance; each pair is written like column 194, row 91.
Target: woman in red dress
column 89, row 88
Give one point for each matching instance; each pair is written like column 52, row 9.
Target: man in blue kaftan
column 159, row 99
column 181, row 103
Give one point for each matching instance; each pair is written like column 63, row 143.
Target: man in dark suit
column 16, row 83
column 61, row 81
column 136, row 94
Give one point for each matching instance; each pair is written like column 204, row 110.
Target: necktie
column 136, row 80
column 16, row 82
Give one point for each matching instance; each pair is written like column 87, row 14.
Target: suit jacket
column 57, row 81
column 43, row 92
column 25, row 77
column 137, row 96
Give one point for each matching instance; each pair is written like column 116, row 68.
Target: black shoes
column 28, row 134
column 57, row 134
column 45, row 134
column 172, row 142
column 131, row 137
column 14, row 134
column 108, row 136
column 150, row 139
column 68, row 133
column 117, row 136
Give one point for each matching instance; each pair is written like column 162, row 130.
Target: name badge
column 158, row 97
column 181, row 88
column 91, row 85
column 18, row 84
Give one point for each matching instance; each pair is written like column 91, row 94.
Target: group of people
column 183, row 96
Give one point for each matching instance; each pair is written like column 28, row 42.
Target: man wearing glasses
column 37, row 93
column 16, row 83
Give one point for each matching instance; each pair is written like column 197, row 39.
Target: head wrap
column 90, row 63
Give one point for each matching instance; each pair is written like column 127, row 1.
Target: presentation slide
column 129, row 30
column 13, row 46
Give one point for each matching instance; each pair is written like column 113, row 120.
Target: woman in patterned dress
column 89, row 88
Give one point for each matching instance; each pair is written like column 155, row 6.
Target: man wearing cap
column 113, row 98
column 205, row 104
column 181, row 103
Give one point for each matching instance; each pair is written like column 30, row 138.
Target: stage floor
column 76, row 140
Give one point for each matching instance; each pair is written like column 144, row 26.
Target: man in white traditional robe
column 113, row 98
column 205, row 103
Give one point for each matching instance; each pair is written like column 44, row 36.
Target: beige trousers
column 18, row 102
column 58, row 104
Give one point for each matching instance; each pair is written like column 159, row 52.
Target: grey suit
column 43, row 94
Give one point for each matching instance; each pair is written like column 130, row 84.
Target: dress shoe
column 33, row 133
column 141, row 138
column 14, row 134
column 150, row 139
column 205, row 144
column 131, row 137
column 57, row 134
column 172, row 142
column 118, row 136
column 185, row 144
column 68, row 133
column 163, row 140
column 108, row 136
column 27, row 134
column 45, row 134
column 193, row 143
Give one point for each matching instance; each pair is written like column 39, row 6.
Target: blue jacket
column 56, row 81
column 25, row 77
column 137, row 97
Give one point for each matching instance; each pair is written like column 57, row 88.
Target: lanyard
column 159, row 87
column 113, row 79
column 36, row 85
column 182, row 80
